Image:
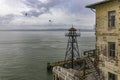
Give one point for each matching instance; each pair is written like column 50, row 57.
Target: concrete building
column 108, row 37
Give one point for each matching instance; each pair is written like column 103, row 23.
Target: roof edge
column 98, row 3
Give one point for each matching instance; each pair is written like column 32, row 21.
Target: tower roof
column 72, row 29
column 98, row 3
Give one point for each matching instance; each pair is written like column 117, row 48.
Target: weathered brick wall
column 104, row 34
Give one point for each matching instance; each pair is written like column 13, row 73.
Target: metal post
column 72, row 51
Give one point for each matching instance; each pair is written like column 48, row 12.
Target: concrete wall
column 104, row 34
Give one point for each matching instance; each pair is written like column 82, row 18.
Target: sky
column 46, row 14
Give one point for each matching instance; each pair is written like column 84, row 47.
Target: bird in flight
column 50, row 20
column 26, row 14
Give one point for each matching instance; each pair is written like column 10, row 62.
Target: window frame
column 111, row 49
column 112, row 22
column 111, row 75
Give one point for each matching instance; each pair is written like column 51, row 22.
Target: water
column 24, row 55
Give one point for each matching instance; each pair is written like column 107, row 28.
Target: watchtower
column 72, row 51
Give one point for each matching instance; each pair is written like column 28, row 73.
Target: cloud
column 4, row 20
column 39, row 12
column 12, row 7
column 39, row 7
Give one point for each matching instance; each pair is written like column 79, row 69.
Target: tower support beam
column 72, row 51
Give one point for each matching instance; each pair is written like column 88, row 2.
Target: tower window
column 111, row 18
column 112, row 76
column 111, row 49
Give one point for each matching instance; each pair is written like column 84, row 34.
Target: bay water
column 24, row 54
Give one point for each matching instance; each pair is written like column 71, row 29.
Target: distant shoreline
column 81, row 30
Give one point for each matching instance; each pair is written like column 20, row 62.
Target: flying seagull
column 26, row 14
column 50, row 21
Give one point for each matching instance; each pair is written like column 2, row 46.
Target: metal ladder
column 96, row 74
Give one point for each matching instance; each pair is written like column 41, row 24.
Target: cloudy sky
column 42, row 14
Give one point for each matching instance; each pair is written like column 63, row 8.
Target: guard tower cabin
column 108, row 37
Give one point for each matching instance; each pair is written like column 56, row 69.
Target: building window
column 111, row 49
column 112, row 76
column 111, row 18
